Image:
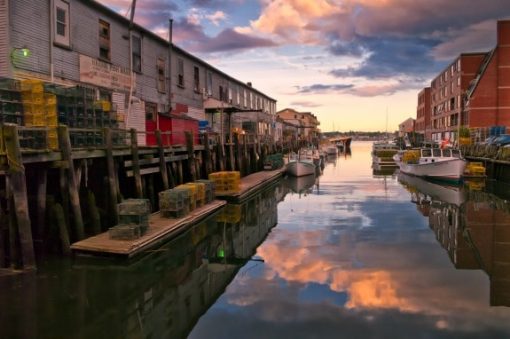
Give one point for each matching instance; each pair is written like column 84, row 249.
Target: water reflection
column 472, row 226
column 158, row 296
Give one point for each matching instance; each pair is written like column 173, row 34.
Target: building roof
column 121, row 18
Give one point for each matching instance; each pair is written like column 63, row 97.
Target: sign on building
column 99, row 73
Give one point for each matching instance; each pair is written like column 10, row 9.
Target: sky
column 355, row 64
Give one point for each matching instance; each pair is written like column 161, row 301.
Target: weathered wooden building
column 150, row 81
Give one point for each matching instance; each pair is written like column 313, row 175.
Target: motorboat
column 332, row 150
column 433, row 163
column 383, row 152
column 300, row 164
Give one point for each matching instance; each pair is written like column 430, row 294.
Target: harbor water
column 351, row 253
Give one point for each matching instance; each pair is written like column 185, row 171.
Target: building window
column 104, row 40
column 161, row 74
column 196, row 79
column 238, row 95
column 61, row 13
column 180, row 72
column 151, row 111
column 245, row 98
column 137, row 53
column 209, row 83
column 221, row 93
column 229, row 92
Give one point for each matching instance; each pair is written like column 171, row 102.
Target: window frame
column 161, row 78
column 196, row 79
column 154, row 108
column 135, row 54
column 180, row 72
column 209, row 83
column 104, row 40
column 58, row 39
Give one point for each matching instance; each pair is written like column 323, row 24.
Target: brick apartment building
column 472, row 91
column 446, row 93
column 422, row 122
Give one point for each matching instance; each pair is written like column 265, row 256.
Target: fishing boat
column 300, row 164
column 383, row 152
column 332, row 150
column 433, row 163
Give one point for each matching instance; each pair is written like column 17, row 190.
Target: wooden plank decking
column 160, row 229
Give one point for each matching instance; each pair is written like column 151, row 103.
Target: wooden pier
column 160, row 230
column 63, row 193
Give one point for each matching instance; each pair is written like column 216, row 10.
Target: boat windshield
column 456, row 153
column 426, row 152
column 447, row 153
column 436, row 152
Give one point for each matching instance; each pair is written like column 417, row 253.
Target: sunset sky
column 347, row 61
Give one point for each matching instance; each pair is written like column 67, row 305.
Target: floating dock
column 160, row 230
column 163, row 229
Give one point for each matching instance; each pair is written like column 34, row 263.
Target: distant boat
column 300, row 164
column 383, row 152
column 433, row 163
column 332, row 150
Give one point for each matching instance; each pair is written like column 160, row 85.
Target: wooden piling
column 3, row 231
column 220, row 156
column 42, row 184
column 238, row 161
column 191, row 155
column 58, row 214
column 111, row 175
column 18, row 187
column 162, row 162
column 95, row 219
column 180, row 174
column 207, row 155
column 246, row 158
column 136, row 163
column 12, row 248
column 74, row 197
column 151, row 193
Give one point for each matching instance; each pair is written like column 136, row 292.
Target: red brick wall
column 490, row 102
column 484, row 101
column 503, row 117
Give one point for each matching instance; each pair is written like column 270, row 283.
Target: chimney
column 249, row 83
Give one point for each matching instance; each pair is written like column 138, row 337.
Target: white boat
column 300, row 164
column 433, row 163
column 383, row 152
column 315, row 155
column 332, row 150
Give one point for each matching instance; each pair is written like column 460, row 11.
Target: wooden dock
column 163, row 229
column 160, row 230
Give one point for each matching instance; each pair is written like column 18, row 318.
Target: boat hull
column 446, row 170
column 300, row 168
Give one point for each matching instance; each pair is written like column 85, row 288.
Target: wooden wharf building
column 111, row 111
